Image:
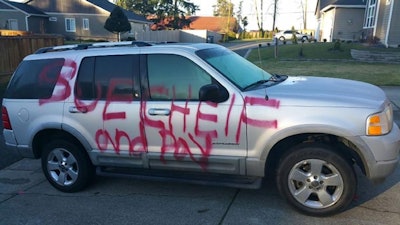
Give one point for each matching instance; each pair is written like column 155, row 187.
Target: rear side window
column 108, row 77
column 35, row 79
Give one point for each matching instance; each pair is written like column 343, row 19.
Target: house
column 75, row 19
column 19, row 16
column 382, row 21
column 340, row 19
column 200, row 29
column 213, row 23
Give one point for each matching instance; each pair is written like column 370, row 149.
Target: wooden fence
column 14, row 49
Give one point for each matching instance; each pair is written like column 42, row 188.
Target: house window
column 85, row 23
column 12, row 24
column 370, row 14
column 70, row 25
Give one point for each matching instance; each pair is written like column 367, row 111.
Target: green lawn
column 320, row 60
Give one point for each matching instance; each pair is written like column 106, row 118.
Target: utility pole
column 305, row 15
column 262, row 16
column 274, row 16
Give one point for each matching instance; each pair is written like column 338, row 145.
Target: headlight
column 380, row 123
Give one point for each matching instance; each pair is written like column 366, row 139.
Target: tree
column 173, row 10
column 274, row 15
column 141, row 7
column 258, row 17
column 243, row 20
column 117, row 22
column 224, row 8
column 303, row 7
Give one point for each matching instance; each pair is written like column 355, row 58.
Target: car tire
column 304, row 38
column 315, row 180
column 66, row 166
column 282, row 38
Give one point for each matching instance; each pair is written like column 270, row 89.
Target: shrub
column 372, row 40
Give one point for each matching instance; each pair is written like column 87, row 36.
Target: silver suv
column 197, row 112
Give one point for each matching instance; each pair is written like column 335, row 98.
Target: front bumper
column 383, row 156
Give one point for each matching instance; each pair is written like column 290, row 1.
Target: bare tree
column 303, row 5
column 259, row 24
column 274, row 14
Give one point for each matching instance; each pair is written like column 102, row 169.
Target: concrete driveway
column 27, row 198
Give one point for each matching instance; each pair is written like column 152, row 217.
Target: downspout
column 27, row 22
column 377, row 8
column 333, row 24
column 389, row 25
column 316, row 35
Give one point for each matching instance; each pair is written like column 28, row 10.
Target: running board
column 183, row 177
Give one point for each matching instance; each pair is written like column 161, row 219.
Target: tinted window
column 35, row 79
column 107, row 77
column 175, row 77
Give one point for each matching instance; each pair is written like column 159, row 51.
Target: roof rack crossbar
column 94, row 45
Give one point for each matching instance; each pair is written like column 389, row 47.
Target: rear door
column 105, row 109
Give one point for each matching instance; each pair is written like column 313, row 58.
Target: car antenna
column 261, row 67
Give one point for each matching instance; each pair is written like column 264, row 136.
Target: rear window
column 34, row 79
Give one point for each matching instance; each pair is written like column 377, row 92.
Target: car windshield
column 237, row 69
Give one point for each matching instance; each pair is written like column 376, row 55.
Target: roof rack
column 94, row 45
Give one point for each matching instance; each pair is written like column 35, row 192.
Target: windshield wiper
column 260, row 82
column 256, row 84
column 274, row 78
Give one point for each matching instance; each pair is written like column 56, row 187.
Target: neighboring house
column 200, row 29
column 382, row 21
column 212, row 23
column 19, row 16
column 80, row 19
column 340, row 19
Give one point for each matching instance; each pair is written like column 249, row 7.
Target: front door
column 182, row 132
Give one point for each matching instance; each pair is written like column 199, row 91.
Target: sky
column 289, row 12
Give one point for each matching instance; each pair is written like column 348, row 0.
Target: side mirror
column 213, row 93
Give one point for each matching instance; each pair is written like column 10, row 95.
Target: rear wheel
column 66, row 166
column 316, row 180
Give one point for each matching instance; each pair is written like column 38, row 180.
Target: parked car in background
column 288, row 35
column 199, row 113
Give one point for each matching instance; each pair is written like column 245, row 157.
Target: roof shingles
column 26, row 8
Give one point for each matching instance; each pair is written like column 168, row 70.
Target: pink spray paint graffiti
column 195, row 143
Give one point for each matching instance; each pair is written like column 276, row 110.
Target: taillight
column 5, row 118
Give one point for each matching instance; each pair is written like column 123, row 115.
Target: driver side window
column 174, row 77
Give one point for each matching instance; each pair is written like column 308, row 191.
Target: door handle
column 74, row 109
column 159, row 112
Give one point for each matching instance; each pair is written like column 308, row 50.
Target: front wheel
column 316, row 180
column 66, row 166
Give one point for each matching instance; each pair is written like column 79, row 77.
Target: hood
column 325, row 92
